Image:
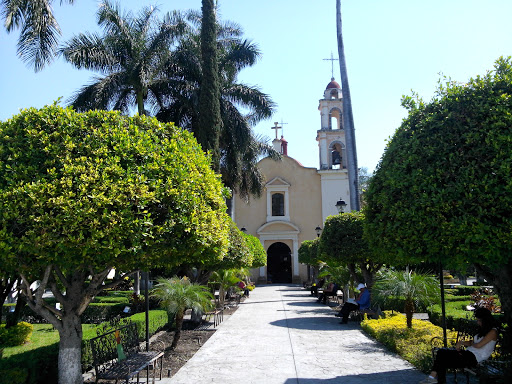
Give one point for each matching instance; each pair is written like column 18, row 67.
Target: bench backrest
column 104, row 347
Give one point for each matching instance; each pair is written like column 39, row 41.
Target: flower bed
column 413, row 344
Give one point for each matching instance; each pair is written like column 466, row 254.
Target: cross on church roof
column 332, row 60
column 276, row 127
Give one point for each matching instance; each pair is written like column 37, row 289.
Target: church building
column 297, row 199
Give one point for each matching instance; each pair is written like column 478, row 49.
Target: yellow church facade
column 297, row 199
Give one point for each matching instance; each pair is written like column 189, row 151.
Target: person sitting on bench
column 478, row 349
column 315, row 286
column 361, row 303
column 331, row 290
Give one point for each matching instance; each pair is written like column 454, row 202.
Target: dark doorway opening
column 279, row 264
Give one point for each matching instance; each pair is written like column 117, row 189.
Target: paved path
column 281, row 335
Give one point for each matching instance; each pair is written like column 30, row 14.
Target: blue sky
column 392, row 47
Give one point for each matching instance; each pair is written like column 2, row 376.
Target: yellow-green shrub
column 413, row 344
column 17, row 335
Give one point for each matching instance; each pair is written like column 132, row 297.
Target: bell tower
column 331, row 136
column 332, row 151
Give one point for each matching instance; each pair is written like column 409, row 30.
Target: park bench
column 217, row 315
column 108, row 366
column 374, row 312
column 495, row 369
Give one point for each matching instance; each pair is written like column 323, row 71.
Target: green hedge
column 39, row 366
column 112, row 299
column 94, row 314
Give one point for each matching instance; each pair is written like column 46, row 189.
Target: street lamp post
column 318, row 231
column 340, row 204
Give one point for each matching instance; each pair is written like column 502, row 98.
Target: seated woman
column 362, row 302
column 478, row 349
column 331, row 290
column 315, row 286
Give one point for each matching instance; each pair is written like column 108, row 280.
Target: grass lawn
column 44, row 335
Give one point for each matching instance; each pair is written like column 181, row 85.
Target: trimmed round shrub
column 17, row 335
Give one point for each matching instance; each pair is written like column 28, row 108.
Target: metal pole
column 443, row 308
column 146, row 281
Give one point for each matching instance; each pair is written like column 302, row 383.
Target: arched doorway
column 279, row 264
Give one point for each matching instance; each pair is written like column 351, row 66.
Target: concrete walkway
column 281, row 335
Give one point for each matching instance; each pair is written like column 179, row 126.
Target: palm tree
column 348, row 118
column 210, row 121
column 226, row 279
column 240, row 149
column 177, row 295
column 415, row 288
column 131, row 57
column 37, row 43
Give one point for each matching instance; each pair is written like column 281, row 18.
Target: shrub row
column 39, row 366
column 94, row 314
column 413, row 344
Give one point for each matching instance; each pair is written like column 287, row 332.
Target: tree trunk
column 136, row 283
column 196, row 316
column 409, row 312
column 6, row 285
column 222, row 296
column 352, row 270
column 177, row 332
column 210, row 120
column 348, row 118
column 70, row 350
column 12, row 318
column 140, row 103
column 79, row 292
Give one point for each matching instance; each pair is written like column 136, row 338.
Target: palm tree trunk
column 409, row 311
column 348, row 119
column 140, row 103
column 177, row 332
column 210, row 120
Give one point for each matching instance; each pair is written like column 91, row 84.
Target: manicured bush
column 413, row 344
column 17, row 335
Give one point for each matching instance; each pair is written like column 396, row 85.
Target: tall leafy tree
column 343, row 243
column 442, row 191
column 83, row 193
column 308, row 252
column 210, row 122
column 130, row 57
column 241, row 105
column 38, row 40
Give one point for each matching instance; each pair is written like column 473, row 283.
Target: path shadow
column 319, row 323
column 304, row 304
column 407, row 376
column 410, row 376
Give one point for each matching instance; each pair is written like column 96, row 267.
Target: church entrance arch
column 279, row 264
